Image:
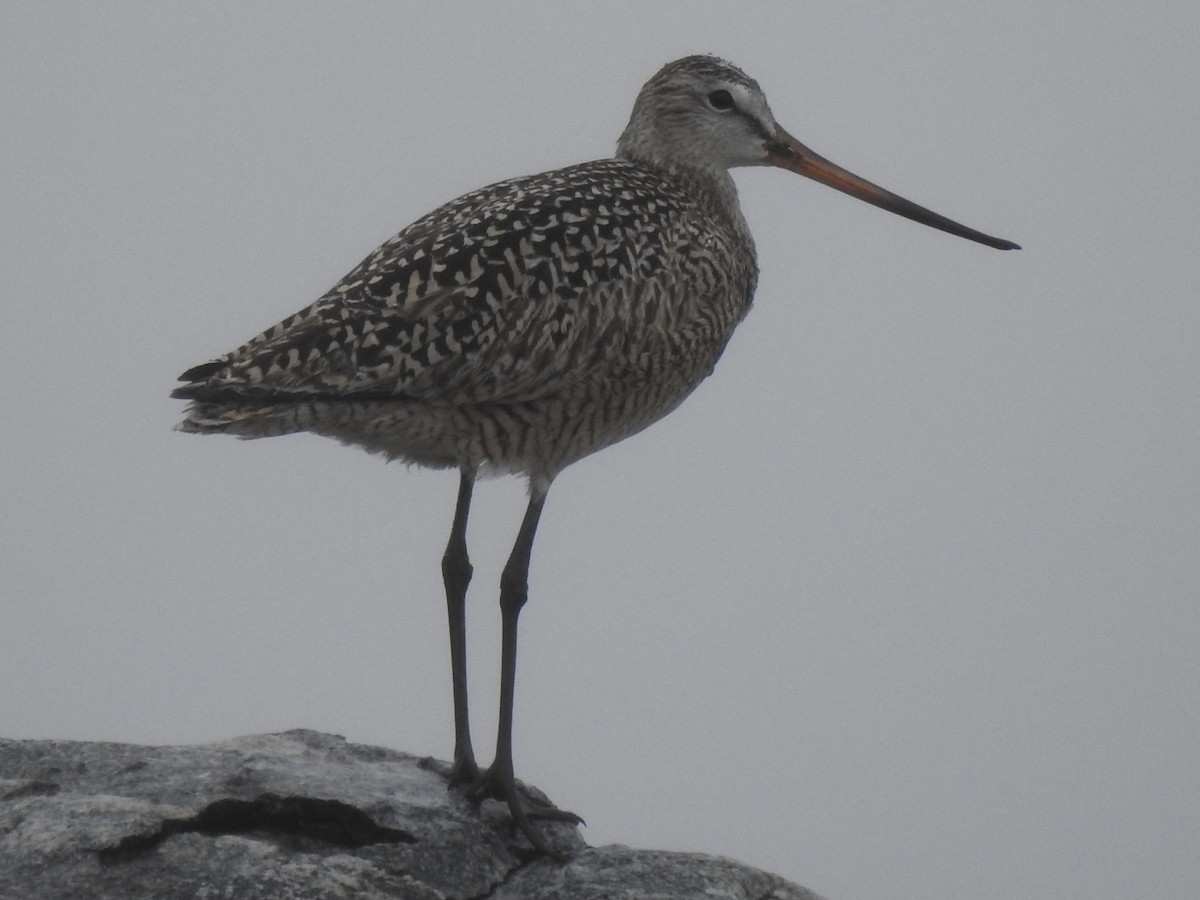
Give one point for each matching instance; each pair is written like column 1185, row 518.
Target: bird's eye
column 721, row 100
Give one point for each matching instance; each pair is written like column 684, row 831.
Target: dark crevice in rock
column 525, row 863
column 288, row 821
column 35, row 788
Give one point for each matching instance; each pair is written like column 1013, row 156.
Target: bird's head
column 699, row 111
column 704, row 113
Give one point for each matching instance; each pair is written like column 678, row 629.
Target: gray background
column 902, row 603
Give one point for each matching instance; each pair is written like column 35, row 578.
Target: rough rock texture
column 300, row 815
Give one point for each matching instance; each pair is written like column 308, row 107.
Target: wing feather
column 503, row 295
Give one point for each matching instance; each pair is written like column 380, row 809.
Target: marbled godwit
column 528, row 324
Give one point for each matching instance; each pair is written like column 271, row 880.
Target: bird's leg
column 498, row 781
column 456, row 573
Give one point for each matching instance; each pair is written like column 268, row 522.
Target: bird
column 528, row 324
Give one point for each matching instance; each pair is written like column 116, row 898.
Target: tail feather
column 245, row 421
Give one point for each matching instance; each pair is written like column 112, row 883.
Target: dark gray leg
column 456, row 573
column 498, row 781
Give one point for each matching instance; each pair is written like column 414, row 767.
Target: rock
column 300, row 816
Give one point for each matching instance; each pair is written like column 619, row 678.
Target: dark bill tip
column 788, row 153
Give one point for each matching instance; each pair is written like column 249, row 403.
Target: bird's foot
column 498, row 783
column 461, row 773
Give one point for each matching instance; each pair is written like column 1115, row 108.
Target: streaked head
column 704, row 113
column 700, row 111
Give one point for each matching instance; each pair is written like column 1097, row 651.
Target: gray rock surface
column 300, row 815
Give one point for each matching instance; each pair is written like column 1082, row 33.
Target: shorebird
column 530, row 323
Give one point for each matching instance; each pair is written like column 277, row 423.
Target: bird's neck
column 710, row 186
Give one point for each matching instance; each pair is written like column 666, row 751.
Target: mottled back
column 594, row 298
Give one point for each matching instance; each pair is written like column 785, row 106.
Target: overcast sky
column 903, row 602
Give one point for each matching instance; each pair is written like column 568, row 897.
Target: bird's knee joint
column 513, row 593
column 457, row 567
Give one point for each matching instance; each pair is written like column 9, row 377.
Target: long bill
column 788, row 153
